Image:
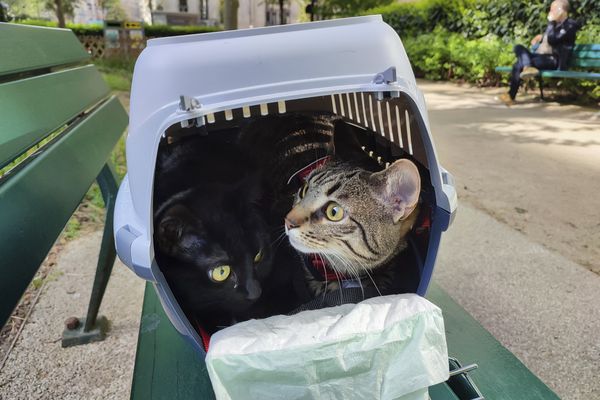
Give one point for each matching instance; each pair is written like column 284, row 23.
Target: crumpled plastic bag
column 390, row 347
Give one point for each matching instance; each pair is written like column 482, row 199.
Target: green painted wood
column 571, row 75
column 32, row 108
column 37, row 200
column 27, row 48
column 166, row 365
column 586, row 54
column 585, row 63
column 442, row 391
column 592, row 46
column 500, row 374
column 503, row 69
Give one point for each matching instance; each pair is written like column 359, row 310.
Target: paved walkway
column 38, row 368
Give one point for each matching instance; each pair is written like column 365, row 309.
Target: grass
column 90, row 214
column 117, row 72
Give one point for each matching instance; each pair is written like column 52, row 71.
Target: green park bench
column 58, row 126
column 584, row 58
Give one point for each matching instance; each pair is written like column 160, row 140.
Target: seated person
column 553, row 50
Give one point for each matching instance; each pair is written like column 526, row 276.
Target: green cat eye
column 334, row 212
column 220, row 273
column 258, row 257
column 303, row 191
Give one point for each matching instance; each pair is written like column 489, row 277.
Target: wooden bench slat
column 585, row 63
column 32, row 108
column 591, row 46
column 166, row 365
column 593, row 54
column 27, row 48
column 571, row 75
column 54, row 183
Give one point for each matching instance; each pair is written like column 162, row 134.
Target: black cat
column 211, row 240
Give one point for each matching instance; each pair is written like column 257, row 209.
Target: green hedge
column 509, row 19
column 151, row 31
column 450, row 56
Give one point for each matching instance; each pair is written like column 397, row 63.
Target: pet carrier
column 355, row 68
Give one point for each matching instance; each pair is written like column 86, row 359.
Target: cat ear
column 171, row 225
column 398, row 187
column 170, row 229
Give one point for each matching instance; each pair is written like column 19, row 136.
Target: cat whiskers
column 277, row 242
column 369, row 275
column 325, row 287
column 352, row 270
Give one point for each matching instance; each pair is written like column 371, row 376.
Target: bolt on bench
column 58, row 126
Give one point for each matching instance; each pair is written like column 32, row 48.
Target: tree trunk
column 60, row 15
column 230, row 11
column 281, row 13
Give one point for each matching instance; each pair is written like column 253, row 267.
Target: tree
column 345, row 8
column 230, row 11
column 112, row 10
column 62, row 8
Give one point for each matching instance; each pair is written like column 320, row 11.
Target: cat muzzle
column 253, row 289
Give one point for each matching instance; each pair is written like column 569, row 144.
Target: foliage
column 78, row 29
column 113, row 11
column 152, row 31
column 345, row 8
column 509, row 19
column 445, row 55
column 166, row 30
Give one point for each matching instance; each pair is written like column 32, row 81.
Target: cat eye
column 303, row 190
column 258, row 257
column 334, row 212
column 220, row 273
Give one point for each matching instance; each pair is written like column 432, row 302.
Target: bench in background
column 58, row 126
column 585, row 58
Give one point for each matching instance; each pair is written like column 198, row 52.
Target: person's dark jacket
column 561, row 36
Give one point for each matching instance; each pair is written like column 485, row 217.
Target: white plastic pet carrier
column 356, row 68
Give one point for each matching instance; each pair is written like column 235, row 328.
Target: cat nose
column 290, row 223
column 253, row 289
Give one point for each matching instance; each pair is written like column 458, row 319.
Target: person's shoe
column 529, row 72
column 506, row 99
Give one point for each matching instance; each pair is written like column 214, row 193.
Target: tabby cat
column 356, row 221
column 211, row 240
column 367, row 243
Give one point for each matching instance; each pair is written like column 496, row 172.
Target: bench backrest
column 586, row 56
column 58, row 125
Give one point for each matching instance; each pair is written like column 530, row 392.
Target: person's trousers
column 525, row 58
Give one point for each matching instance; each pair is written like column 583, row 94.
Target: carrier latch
column 190, row 104
column 385, row 78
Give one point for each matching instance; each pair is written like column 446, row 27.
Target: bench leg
column 541, row 84
column 94, row 328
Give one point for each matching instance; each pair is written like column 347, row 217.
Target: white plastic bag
column 382, row 348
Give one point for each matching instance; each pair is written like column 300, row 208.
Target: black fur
column 208, row 212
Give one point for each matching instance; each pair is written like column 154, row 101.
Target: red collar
column 301, row 175
column 321, row 267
